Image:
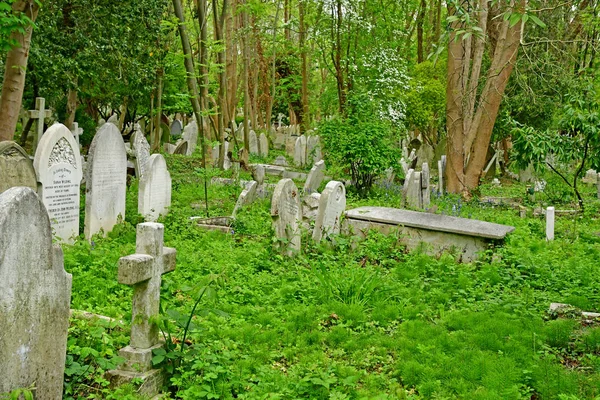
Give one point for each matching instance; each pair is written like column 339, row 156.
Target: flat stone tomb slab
column 432, row 222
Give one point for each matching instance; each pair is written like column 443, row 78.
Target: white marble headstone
column 300, row 151
column 154, row 196
column 313, row 150
column 190, row 134
column 315, row 177
column 332, row 205
column 263, row 145
column 106, row 181
column 141, row 149
column 58, row 169
column 253, row 141
column 35, row 293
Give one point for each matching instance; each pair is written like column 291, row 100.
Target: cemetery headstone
column 331, row 206
column 253, row 143
column 258, row 173
column 263, row 145
column 106, row 181
column 414, row 192
column 113, row 119
column 176, row 128
column 40, row 114
column 143, row 271
column 280, row 161
column 141, row 150
column 440, row 177
column 300, row 151
column 77, row 132
column 181, row 148
column 315, row 177
column 16, row 168
column 169, row 148
column 426, row 193
column 591, row 177
column 287, row 215
column 550, row 223
column 154, row 197
column 246, row 197
column 58, row 168
column 190, row 135
column 35, row 293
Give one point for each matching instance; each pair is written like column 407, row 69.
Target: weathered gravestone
column 77, row 132
column 16, row 168
column 40, row 114
column 106, row 181
column 176, row 128
column 413, row 195
column 154, row 196
column 35, row 292
column 425, row 192
column 300, row 151
column 181, row 148
column 313, row 149
column 263, row 145
column 143, row 271
column 315, row 177
column 591, row 177
column 141, row 150
column 190, row 135
column 246, row 197
column 253, row 141
column 59, row 171
column 287, row 215
column 331, row 206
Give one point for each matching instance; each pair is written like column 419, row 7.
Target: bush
column 359, row 143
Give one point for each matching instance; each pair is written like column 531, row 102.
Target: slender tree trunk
column 203, row 21
column 158, row 126
column 304, row 116
column 14, row 74
column 271, row 100
column 222, row 104
column 246, row 77
column 71, row 106
column 232, row 24
column 420, row 21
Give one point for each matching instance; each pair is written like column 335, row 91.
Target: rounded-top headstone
column 16, row 169
column 106, row 181
column 332, row 205
column 154, row 197
column 287, row 215
column 35, row 293
column 59, row 171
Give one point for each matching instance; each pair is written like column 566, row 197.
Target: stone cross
column 40, row 113
column 77, row 132
column 143, row 271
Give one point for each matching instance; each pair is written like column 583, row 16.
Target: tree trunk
column 271, row 99
column 246, row 75
column 156, row 135
column 14, row 73
column 420, row 21
column 304, row 116
column 222, row 104
column 71, row 106
column 470, row 116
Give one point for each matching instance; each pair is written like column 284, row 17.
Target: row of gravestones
column 305, row 150
column 288, row 205
column 35, row 295
column 57, row 172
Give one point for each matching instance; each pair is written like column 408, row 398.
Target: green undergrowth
column 345, row 320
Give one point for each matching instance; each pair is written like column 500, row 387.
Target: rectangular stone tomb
column 465, row 237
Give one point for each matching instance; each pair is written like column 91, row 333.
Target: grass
column 346, row 322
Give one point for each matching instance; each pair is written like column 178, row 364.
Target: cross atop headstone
column 40, row 113
column 77, row 132
column 143, row 271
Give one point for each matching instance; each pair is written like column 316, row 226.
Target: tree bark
column 222, row 104
column 71, row 106
column 420, row 21
column 14, row 73
column 246, row 75
column 303, row 60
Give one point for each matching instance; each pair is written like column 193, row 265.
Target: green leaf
column 157, row 359
column 537, row 21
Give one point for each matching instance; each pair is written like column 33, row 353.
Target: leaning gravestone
column 253, row 141
column 425, row 181
column 300, row 151
column 315, row 177
column 35, row 292
column 141, row 149
column 263, row 145
column 190, row 135
column 58, row 168
column 332, row 204
column 106, row 181
column 16, row 168
column 143, row 271
column 154, row 196
column 287, row 215
column 181, row 148
column 246, row 197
